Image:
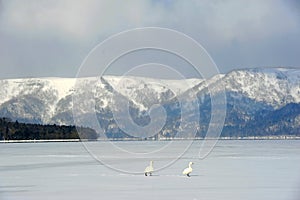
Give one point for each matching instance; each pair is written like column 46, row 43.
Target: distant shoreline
column 281, row 137
column 39, row 141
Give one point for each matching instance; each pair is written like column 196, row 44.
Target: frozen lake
column 234, row 170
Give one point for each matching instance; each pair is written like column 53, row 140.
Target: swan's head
column 191, row 163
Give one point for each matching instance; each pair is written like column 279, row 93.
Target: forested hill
column 10, row 130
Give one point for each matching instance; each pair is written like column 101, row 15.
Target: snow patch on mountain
column 273, row 86
column 125, row 84
column 63, row 86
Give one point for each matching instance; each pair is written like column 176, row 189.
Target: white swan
column 188, row 170
column 149, row 169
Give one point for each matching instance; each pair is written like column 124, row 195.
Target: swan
column 188, row 170
column 149, row 169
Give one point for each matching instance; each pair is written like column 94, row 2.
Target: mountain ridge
column 251, row 93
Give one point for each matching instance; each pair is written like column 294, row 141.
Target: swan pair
column 149, row 169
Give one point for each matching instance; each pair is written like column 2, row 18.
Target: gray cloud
column 51, row 38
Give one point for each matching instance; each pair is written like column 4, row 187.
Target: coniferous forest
column 13, row 130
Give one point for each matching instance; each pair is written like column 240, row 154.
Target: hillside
column 10, row 130
column 260, row 101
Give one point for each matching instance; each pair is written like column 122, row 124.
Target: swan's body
column 188, row 170
column 149, row 169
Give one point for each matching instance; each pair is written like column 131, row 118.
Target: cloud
column 81, row 20
column 64, row 31
column 242, row 21
column 74, row 19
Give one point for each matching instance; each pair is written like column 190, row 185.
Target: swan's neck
column 190, row 165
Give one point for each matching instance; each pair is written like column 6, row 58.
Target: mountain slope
column 252, row 95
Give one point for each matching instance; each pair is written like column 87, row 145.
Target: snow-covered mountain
column 34, row 99
column 252, row 94
column 276, row 87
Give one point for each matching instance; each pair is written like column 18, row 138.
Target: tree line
column 13, row 130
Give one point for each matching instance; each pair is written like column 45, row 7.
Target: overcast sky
column 52, row 38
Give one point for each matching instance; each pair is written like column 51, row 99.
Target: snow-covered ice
column 234, row 170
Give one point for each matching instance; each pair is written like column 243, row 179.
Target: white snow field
column 235, row 170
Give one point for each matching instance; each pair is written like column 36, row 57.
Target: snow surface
column 63, row 86
column 235, row 170
column 124, row 84
column 14, row 87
